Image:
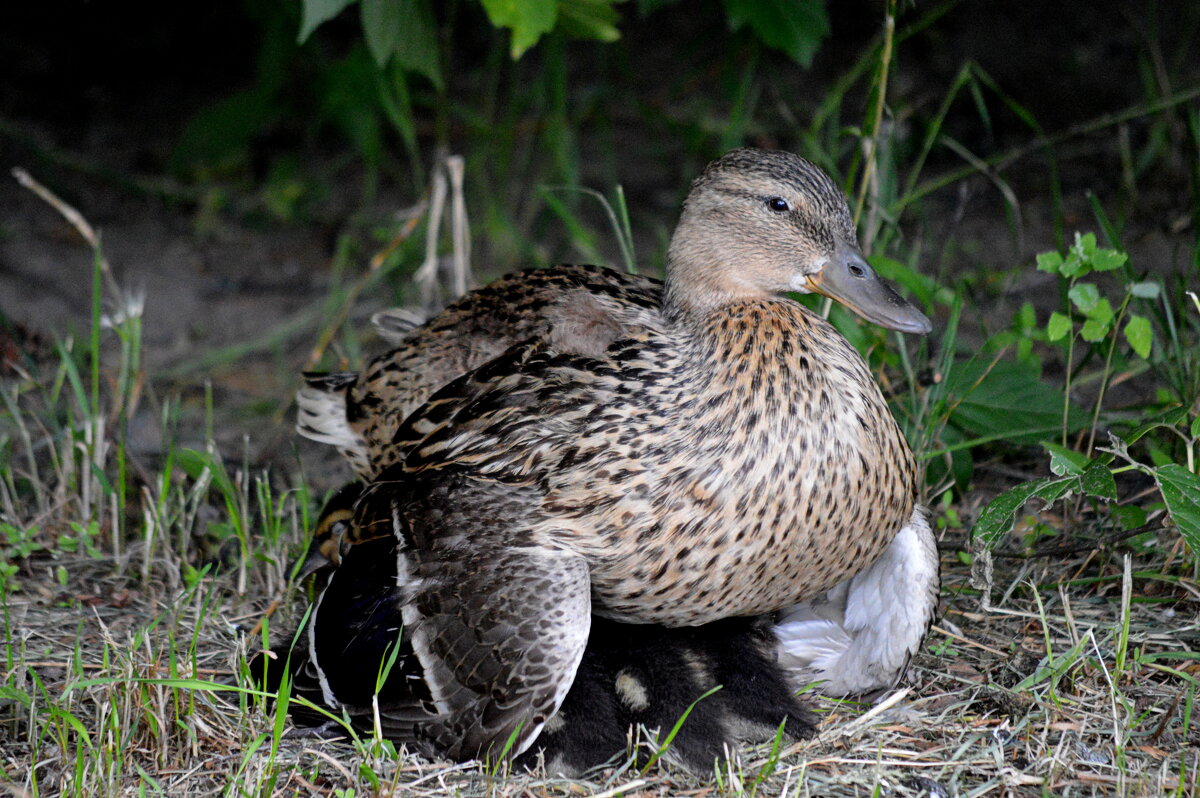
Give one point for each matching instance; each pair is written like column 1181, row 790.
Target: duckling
column 724, row 677
column 725, row 456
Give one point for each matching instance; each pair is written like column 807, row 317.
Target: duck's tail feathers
column 322, row 416
column 394, row 324
column 860, row 636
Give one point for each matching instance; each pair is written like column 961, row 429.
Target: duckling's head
column 325, row 549
column 759, row 223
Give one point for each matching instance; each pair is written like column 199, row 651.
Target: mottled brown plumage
column 580, row 309
column 724, row 454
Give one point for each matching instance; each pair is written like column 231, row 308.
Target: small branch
column 74, row 218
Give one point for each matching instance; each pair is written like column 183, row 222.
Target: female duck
column 729, row 455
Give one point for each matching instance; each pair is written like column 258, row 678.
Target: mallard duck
column 630, row 676
column 725, row 454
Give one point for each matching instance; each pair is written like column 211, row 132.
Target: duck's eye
column 778, row 204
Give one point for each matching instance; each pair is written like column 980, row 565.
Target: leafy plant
column 1092, row 320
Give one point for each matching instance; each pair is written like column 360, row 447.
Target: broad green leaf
column 589, row 19
column 1085, row 296
column 1104, row 260
column 1058, row 326
column 1007, row 401
column 381, row 28
column 1093, row 330
column 1139, row 334
column 1196, row 427
column 1145, row 290
column 999, row 517
column 1064, row 461
column 417, row 49
column 529, row 20
column 1181, row 492
column 1098, row 482
column 349, row 101
column 794, row 26
column 315, row 12
column 1049, row 262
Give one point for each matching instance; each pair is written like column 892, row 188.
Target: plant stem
column 1106, row 373
column 872, row 141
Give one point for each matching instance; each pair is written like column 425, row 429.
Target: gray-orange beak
column 849, row 279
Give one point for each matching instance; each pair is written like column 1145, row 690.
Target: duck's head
column 759, row 223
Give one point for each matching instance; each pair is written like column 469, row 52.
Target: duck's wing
column 487, row 629
column 575, row 309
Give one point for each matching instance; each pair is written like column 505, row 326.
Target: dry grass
column 114, row 689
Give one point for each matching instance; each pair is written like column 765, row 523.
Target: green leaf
column 1102, row 313
column 1098, row 481
column 1196, row 427
column 1025, row 319
column 1007, row 400
column 589, row 19
column 1129, row 516
column 1146, row 290
column 1105, row 260
column 1093, row 330
column 224, row 130
column 1049, row 262
column 1085, row 245
column 1181, row 492
column 1084, row 296
column 194, row 463
column 417, row 49
column 315, row 12
column 999, row 517
column 1139, row 335
column 1058, row 326
column 529, row 20
column 1064, row 461
column 381, row 28
column 794, row 26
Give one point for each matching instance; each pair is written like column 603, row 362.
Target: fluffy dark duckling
column 630, row 676
column 725, row 455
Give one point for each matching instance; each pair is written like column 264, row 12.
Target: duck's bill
column 849, row 279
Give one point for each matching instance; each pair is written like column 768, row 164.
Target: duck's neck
column 702, row 278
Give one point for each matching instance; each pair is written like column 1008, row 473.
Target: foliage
column 405, row 29
column 1091, row 318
